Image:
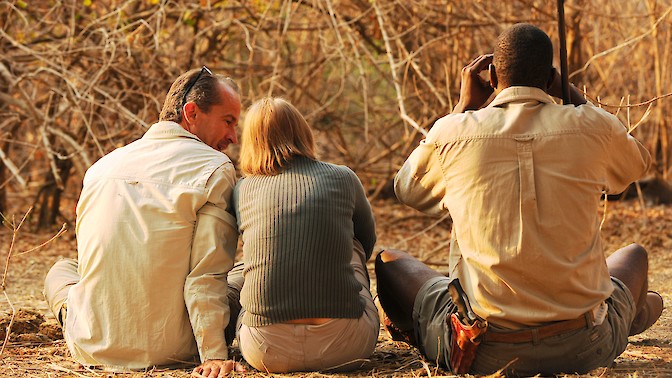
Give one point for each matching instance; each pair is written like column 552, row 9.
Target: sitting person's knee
column 638, row 249
column 638, row 256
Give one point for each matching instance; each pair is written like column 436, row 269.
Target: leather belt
column 527, row 335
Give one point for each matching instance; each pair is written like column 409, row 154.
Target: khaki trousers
column 57, row 284
column 338, row 345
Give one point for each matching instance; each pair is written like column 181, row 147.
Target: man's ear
column 189, row 111
column 551, row 78
column 493, row 76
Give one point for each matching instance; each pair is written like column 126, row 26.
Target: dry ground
column 37, row 351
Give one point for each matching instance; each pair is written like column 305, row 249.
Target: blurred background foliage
column 80, row 78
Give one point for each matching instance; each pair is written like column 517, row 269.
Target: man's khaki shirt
column 522, row 180
column 155, row 243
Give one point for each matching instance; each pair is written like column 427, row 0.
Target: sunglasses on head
column 191, row 85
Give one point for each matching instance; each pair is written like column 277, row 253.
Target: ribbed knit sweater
column 298, row 228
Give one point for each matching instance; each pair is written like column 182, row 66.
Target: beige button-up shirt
column 155, row 243
column 522, row 180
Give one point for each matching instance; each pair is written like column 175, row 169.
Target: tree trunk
column 48, row 199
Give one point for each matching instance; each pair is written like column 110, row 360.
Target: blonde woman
column 307, row 230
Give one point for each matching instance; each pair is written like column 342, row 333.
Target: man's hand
column 474, row 91
column 555, row 89
column 216, row 368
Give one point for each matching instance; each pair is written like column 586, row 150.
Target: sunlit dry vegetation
column 80, row 78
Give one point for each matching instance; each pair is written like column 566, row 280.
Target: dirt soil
column 35, row 347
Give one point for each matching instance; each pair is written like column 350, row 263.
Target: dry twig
column 15, row 232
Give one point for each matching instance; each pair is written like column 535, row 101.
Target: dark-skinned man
column 522, row 179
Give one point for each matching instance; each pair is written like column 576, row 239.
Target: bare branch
column 393, row 70
column 12, row 168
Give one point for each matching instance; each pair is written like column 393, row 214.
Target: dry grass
column 649, row 355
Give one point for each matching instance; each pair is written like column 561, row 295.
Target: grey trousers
column 577, row 351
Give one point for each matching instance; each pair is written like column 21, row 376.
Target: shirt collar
column 168, row 129
column 521, row 94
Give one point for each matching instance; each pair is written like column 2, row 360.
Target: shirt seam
column 145, row 180
column 576, row 131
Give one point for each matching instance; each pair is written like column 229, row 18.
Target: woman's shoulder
column 341, row 172
column 336, row 168
column 301, row 166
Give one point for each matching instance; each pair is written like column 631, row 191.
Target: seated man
column 522, row 179
column 156, row 240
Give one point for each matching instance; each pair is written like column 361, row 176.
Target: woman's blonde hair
column 274, row 132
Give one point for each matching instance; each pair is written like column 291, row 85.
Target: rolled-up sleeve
column 629, row 159
column 212, row 257
column 420, row 183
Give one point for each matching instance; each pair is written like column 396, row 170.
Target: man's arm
column 420, row 183
column 629, row 160
column 205, row 289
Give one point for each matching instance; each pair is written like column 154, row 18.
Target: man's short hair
column 204, row 93
column 523, row 56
